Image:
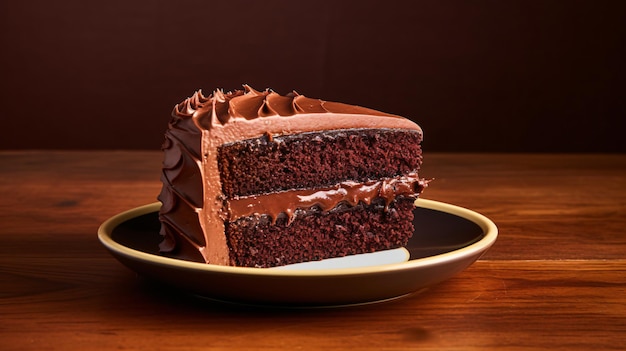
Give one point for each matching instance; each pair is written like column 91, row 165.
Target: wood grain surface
column 555, row 279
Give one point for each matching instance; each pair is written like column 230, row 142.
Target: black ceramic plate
column 447, row 240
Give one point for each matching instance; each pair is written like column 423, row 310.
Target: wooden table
column 555, row 279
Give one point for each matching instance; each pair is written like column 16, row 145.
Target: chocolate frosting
column 286, row 202
column 251, row 104
column 194, row 206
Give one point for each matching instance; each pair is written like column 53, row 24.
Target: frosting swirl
column 251, row 104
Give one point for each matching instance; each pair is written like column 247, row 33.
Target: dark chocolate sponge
column 316, row 235
column 310, row 160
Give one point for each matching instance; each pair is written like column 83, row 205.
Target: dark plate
column 447, row 240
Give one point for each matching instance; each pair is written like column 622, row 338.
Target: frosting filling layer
column 286, row 202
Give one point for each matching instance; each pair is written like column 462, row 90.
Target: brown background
column 477, row 75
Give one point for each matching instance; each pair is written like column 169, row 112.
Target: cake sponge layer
column 316, row 159
column 314, row 235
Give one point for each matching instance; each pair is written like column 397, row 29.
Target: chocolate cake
column 257, row 179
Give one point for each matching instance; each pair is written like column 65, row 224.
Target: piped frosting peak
column 221, row 108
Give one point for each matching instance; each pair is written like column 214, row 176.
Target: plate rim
column 489, row 228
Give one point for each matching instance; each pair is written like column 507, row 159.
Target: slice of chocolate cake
column 257, row 179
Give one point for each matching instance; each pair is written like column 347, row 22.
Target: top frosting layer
column 220, row 109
